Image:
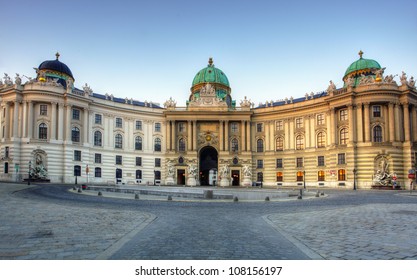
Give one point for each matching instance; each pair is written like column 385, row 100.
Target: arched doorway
column 208, row 161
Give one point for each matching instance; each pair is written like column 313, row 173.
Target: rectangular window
column 259, row 127
column 119, row 122
column 43, row 110
column 138, row 125
column 98, row 119
column 157, row 162
column 279, row 162
column 6, row 152
column 97, row 158
column 157, row 127
column 77, row 155
column 298, row 122
column 320, row 119
column 119, row 159
column 341, row 159
column 75, row 114
column 376, row 110
column 320, row 175
column 97, row 172
column 234, row 127
column 300, row 162
column 138, row 161
column 320, row 161
column 181, row 127
column 280, row 177
column 343, row 115
column 259, row 163
column 280, row 125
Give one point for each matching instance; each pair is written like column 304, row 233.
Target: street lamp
column 354, row 179
column 304, row 178
column 30, row 165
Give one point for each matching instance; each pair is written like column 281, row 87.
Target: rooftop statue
column 7, row 80
column 403, row 78
column 411, row 83
column 331, row 87
column 18, row 80
column 87, row 89
column 170, row 103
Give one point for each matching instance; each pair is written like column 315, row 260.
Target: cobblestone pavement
column 49, row 222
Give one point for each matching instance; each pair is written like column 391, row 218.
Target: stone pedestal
column 224, row 182
column 192, row 182
column 247, row 181
column 169, row 180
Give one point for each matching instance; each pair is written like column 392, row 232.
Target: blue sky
column 151, row 50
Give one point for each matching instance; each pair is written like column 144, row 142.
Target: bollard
column 267, row 198
column 100, row 194
column 235, row 199
column 136, row 196
column 169, row 197
column 322, row 193
column 74, row 188
column 79, row 190
column 317, row 194
column 300, row 196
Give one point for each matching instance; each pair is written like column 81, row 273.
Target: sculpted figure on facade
column 39, row 171
column 246, row 170
column 192, row 170
column 382, row 176
column 170, row 169
column 389, row 79
column 245, row 103
column 7, row 80
column 18, row 80
column 379, row 74
column 411, row 83
column 403, row 78
column 70, row 85
column 87, row 89
column 170, row 103
column 350, row 82
column 224, row 171
column 331, row 87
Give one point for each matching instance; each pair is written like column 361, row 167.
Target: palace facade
column 361, row 135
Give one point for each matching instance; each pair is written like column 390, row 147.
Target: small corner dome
column 211, row 74
column 362, row 65
column 56, row 65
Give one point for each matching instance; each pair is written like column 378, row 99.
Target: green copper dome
column 362, row 65
column 210, row 74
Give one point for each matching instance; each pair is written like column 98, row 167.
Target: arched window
column 97, row 172
column 320, row 175
column 75, row 134
column 344, row 136
column 43, row 131
column 299, row 142
column 341, row 175
column 280, row 177
column 280, row 144
column 157, row 145
column 98, row 138
column 138, row 143
column 118, row 141
column 321, row 140
column 260, row 145
column 181, row 145
column 235, row 145
column 377, row 133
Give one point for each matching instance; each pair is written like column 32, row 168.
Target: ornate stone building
column 365, row 132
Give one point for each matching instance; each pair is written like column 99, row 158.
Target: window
column 280, row 177
column 75, row 114
column 299, row 142
column 119, row 122
column 320, row 175
column 138, row 143
column 320, row 161
column 6, row 168
column 321, row 140
column 157, row 145
column 181, row 127
column 259, row 177
column 97, row 172
column 300, row 162
column 138, row 161
column 98, row 138
column 43, row 131
column 280, row 144
column 118, row 141
column 97, row 158
column 157, row 175
column 341, row 175
column 234, row 127
column 280, row 125
column 75, row 134
column 138, row 174
column 300, row 176
column 181, row 145
column 320, row 119
column 157, row 127
column 341, row 159
column 343, row 115
column 157, row 162
column 6, row 152
column 259, row 163
column 344, row 136
column 377, row 134
column 279, row 163
column 77, row 170
column 298, row 122
column 260, row 146
column 119, row 160
column 97, row 119
column 77, row 155
column 235, row 145
column 43, row 110
column 259, row 127
column 376, row 111
column 138, row 125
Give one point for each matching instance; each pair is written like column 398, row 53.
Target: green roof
column 362, row 64
column 210, row 74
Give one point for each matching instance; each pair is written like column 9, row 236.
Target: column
column 267, row 136
column 173, row 140
column 291, row 135
column 272, row 135
column 168, row 134
column 68, row 123
column 226, row 140
column 414, row 122
column 287, row 134
column 306, row 123
column 398, row 122
column 386, row 121
column 24, row 119
column 61, row 123
column 329, row 128
column 53, row 121
column 7, row 121
column 367, row 123
column 16, row 119
column 30, row 119
column 85, row 125
column 194, row 135
column 351, row 124
column 243, row 136
column 406, row 122
column 391, row 122
column 312, row 134
column 221, row 135
column 190, row 135
column 248, row 137
column 333, row 127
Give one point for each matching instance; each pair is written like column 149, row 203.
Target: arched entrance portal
column 208, row 161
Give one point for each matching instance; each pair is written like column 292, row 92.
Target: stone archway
column 208, row 160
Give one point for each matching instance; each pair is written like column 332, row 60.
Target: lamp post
column 304, row 178
column 354, row 179
column 30, row 166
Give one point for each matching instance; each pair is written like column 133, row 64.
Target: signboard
column 411, row 176
column 411, row 171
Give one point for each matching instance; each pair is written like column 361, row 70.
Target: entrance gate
column 208, row 161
